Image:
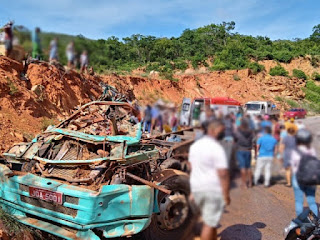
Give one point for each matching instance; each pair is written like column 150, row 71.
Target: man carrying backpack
column 304, row 150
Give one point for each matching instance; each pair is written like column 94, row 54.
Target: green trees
column 278, row 71
column 229, row 50
column 299, row 74
column 255, row 67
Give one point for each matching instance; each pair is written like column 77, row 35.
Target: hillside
column 51, row 93
column 26, row 107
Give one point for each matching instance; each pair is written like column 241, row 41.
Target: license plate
column 46, row 195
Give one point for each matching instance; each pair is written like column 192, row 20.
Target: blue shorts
column 244, row 159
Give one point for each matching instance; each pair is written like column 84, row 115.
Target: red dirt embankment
column 239, row 84
column 49, row 93
column 52, row 92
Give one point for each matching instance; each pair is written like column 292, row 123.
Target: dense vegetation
column 278, row 71
column 218, row 42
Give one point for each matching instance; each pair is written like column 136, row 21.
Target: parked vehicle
column 190, row 112
column 305, row 227
column 93, row 176
column 261, row 108
column 295, row 113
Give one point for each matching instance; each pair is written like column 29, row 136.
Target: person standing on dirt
column 8, row 38
column 84, row 61
column 209, row 178
column 53, row 56
column 245, row 142
column 36, row 44
column 147, row 119
column 288, row 144
column 303, row 140
column 266, row 147
column 70, row 52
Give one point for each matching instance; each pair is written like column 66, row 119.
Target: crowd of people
column 37, row 51
column 159, row 118
column 256, row 140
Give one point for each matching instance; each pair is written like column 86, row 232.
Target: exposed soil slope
column 52, row 92
column 220, row 83
column 49, row 93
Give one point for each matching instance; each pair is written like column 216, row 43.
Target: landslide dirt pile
column 239, row 84
column 49, row 93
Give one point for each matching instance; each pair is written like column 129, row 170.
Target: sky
column 100, row 19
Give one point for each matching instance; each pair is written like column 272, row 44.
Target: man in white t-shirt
column 209, row 178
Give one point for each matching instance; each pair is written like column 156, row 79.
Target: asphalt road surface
column 262, row 213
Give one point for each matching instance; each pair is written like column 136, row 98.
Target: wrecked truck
column 94, row 176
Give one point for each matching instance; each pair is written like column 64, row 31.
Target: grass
column 279, row 99
column 169, row 76
column 236, row 77
column 46, row 122
column 292, row 103
column 197, row 82
column 13, row 90
column 11, row 224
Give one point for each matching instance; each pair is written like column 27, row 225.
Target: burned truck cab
column 92, row 177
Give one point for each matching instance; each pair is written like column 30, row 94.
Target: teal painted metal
column 97, row 139
column 118, row 210
column 127, row 158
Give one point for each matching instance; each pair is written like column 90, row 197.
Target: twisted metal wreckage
column 96, row 176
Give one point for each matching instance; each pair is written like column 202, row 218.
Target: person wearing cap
column 291, row 124
column 8, row 38
column 303, row 140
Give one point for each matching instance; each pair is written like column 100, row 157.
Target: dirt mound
column 301, row 63
column 239, row 84
column 50, row 92
column 62, row 90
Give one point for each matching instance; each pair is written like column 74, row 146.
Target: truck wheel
column 176, row 219
column 170, row 163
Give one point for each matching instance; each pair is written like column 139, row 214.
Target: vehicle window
column 186, row 107
column 269, row 105
column 253, row 106
column 232, row 109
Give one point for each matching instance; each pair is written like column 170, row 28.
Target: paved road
column 262, row 213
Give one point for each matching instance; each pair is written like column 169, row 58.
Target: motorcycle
column 305, row 227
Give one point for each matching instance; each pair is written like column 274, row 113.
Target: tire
column 170, row 163
column 185, row 230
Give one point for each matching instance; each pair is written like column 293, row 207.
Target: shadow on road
column 242, row 231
